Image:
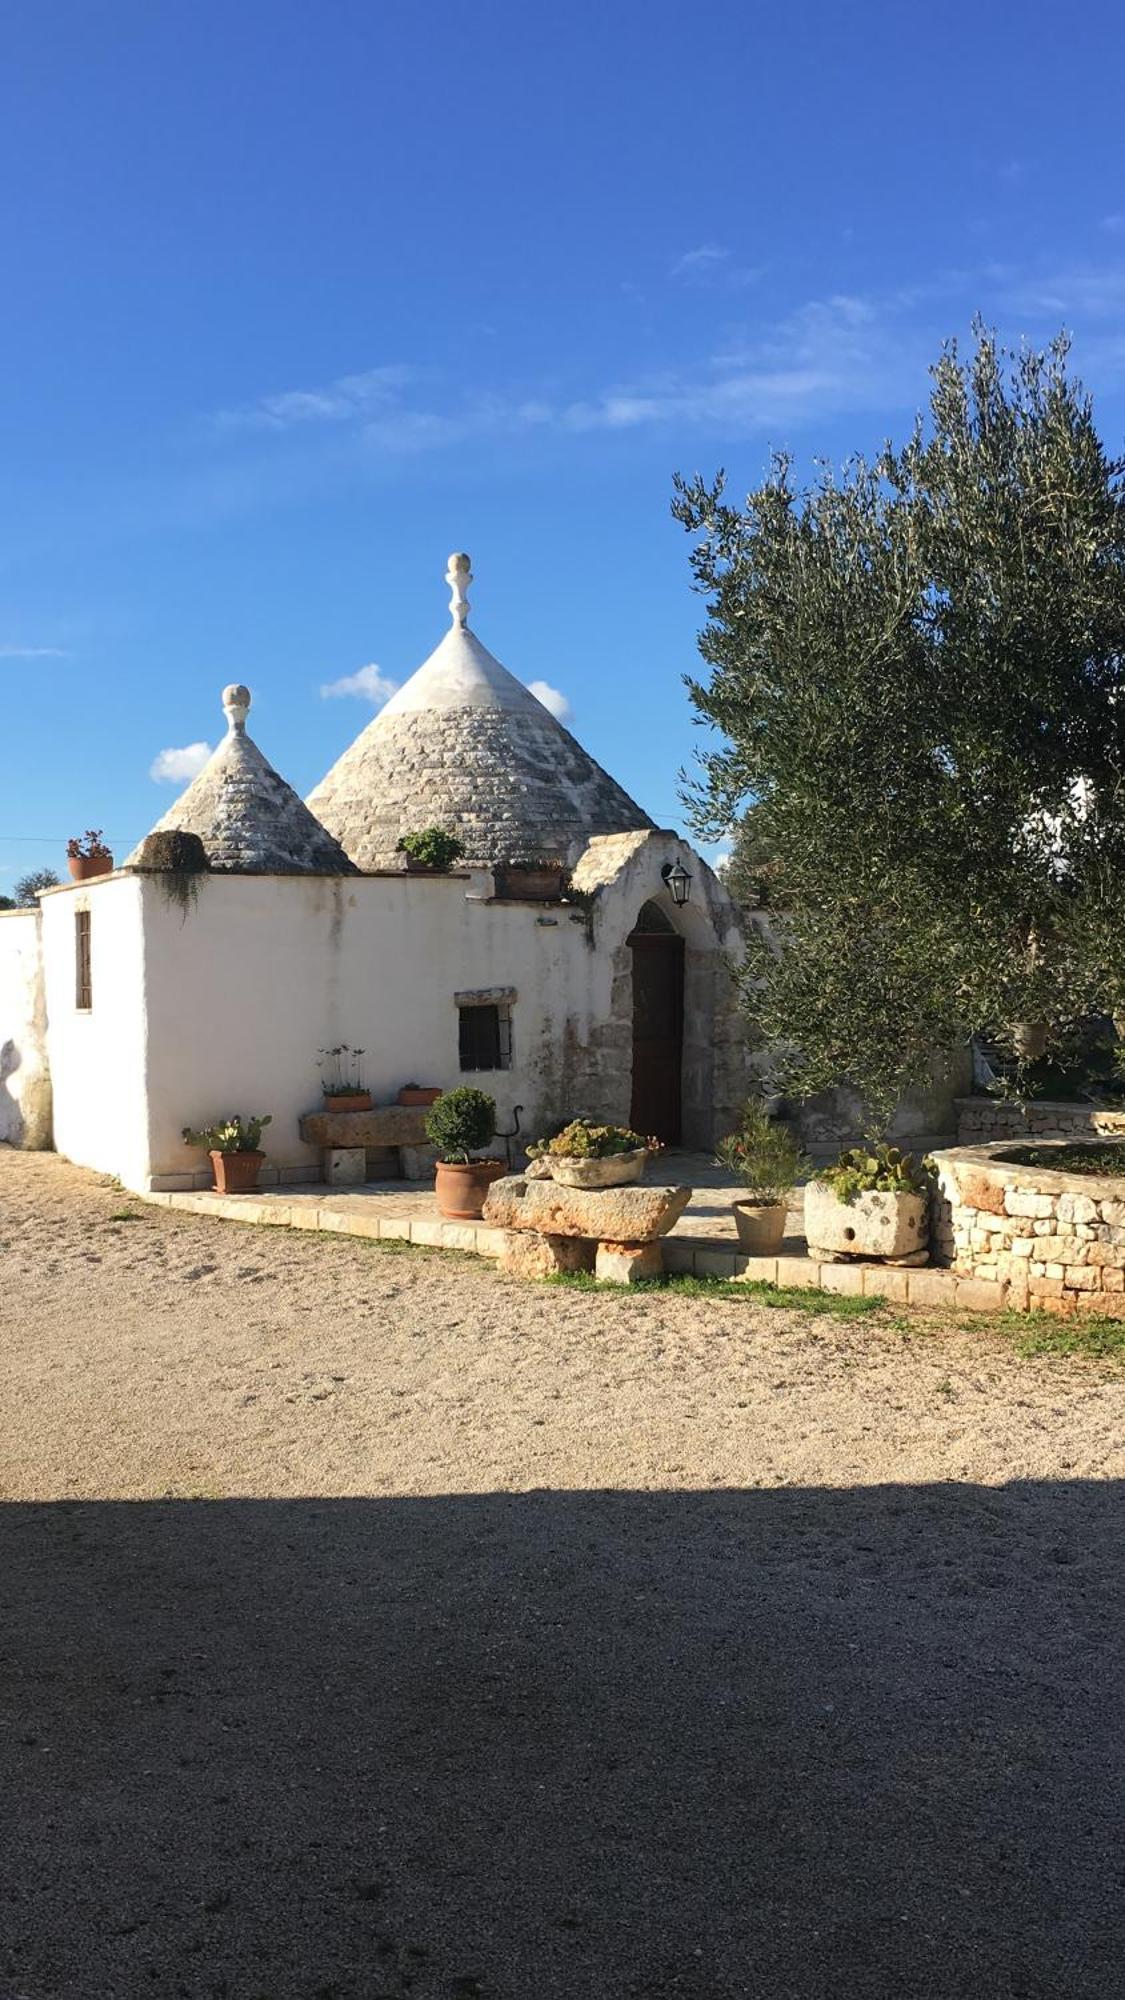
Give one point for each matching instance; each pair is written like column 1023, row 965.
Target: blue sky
column 299, row 297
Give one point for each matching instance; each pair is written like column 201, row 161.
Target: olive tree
column 918, row 670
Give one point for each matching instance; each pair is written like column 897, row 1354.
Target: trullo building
column 135, row 1004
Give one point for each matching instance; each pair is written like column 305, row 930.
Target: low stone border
column 698, row 1256
column 1050, row 1240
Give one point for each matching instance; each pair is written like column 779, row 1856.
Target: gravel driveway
column 376, row 1628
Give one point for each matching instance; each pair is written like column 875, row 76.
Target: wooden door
column 658, row 1033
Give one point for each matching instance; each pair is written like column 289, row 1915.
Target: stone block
column 756, row 1270
column 1044, row 1288
column 459, row 1236
column 1022, row 1201
column 801, row 1272
column 873, row 1225
column 1080, row 1278
column 679, row 1253
column 489, row 1242
column 715, row 1263
column 345, row 1166
column 981, row 1295
column 1113, row 1281
column 1111, row 1305
column 382, row 1125
column 1024, row 1246
column 1076, row 1208
column 932, row 1288
column 395, row 1228
column 627, row 1263
column 844, row 1278
column 883, row 1282
column 526, row 1255
column 427, row 1230
column 417, row 1162
column 635, row 1214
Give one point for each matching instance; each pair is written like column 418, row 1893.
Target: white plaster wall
column 25, row 1085
column 264, row 971
column 97, row 1058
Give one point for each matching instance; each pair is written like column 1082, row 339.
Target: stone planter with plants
column 872, row 1203
column 88, row 856
column 341, row 1074
column 586, row 1155
column 460, row 1123
column 233, row 1146
column 531, row 879
column 766, row 1158
column 430, row 852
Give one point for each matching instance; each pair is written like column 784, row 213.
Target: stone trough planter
column 889, row 1226
column 616, row 1170
column 613, row 1232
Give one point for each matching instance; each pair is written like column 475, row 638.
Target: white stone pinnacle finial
column 459, row 576
column 236, row 701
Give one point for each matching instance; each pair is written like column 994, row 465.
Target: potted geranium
column 233, row 1146
column 419, row 1094
column 341, row 1074
column 88, row 856
column 430, row 852
column 586, row 1155
column 872, row 1203
column 767, row 1160
column 460, row 1123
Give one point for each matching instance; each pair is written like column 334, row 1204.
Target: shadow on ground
column 554, row 1745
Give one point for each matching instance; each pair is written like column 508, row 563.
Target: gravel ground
column 375, row 1628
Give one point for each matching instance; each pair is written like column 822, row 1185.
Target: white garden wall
column 25, row 1085
column 97, row 1057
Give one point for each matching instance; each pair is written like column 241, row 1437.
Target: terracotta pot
column 615, row 1171
column 83, row 866
column 1030, row 1040
column 760, row 1226
column 531, row 885
column 461, row 1190
column 347, row 1100
column 236, row 1173
column 419, row 1093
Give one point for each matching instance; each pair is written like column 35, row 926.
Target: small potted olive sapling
column 872, row 1203
column 460, row 1123
column 765, row 1157
column 233, row 1146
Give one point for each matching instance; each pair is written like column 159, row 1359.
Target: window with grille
column 83, row 982
column 485, row 1035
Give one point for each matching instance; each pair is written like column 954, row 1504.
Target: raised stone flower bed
column 1041, row 1236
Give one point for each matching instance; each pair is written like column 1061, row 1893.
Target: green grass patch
column 126, row 1215
column 682, row 1284
column 1034, row 1334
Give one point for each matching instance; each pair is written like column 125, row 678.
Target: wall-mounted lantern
column 677, row 881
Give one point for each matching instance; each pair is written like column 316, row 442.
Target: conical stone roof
column 465, row 746
column 249, row 820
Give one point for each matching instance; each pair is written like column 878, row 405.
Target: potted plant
column 532, row 879
column 233, row 1146
column 88, row 856
column 585, row 1155
column 341, row 1074
column 766, row 1158
column 872, row 1203
column 430, row 852
column 460, row 1123
column 419, row 1093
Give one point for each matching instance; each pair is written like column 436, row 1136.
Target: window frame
column 83, row 963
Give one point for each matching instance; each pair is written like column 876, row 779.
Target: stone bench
column 344, row 1138
column 613, row 1232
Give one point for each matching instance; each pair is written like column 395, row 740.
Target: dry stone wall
column 982, row 1121
column 1045, row 1239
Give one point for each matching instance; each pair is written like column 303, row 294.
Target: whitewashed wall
column 223, row 1006
column 25, row 1086
column 97, row 1059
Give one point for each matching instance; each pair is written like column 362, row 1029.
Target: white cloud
column 368, row 683
column 550, row 698
column 348, row 397
column 700, row 262
column 176, row 767
column 34, row 653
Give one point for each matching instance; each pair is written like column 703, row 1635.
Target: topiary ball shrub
column 460, row 1122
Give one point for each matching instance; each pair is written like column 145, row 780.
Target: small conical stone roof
column 249, row 820
column 466, row 746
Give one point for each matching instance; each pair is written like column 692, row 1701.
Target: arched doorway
column 656, row 1105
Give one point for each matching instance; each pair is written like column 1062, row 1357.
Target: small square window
column 83, row 981
column 485, row 1036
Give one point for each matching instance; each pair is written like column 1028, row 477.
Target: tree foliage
column 28, row 886
column 918, row 667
